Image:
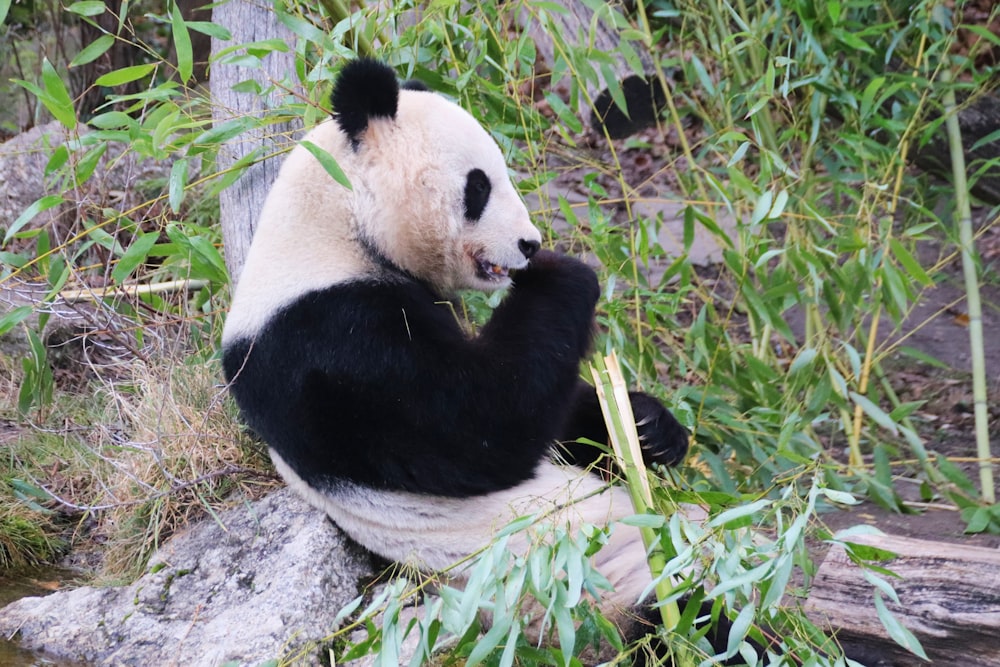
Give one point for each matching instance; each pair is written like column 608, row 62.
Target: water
column 27, row 584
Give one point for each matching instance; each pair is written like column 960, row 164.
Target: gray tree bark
column 242, row 201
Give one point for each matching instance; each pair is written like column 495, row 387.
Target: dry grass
column 176, row 452
column 127, row 462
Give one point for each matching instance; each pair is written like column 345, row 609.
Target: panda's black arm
column 557, row 280
column 489, row 408
column 662, row 437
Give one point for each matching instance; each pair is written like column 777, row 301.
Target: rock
column 265, row 579
column 22, row 172
column 23, row 178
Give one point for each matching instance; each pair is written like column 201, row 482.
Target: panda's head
column 432, row 195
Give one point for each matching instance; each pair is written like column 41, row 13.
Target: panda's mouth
column 489, row 271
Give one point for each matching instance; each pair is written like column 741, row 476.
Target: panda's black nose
column 528, row 248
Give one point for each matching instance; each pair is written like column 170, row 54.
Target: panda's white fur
column 340, row 348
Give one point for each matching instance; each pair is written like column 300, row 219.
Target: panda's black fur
column 366, row 90
column 348, row 360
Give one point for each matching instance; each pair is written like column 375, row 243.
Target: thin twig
column 207, row 477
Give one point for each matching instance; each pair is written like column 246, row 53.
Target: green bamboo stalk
column 964, row 213
column 339, row 11
column 613, row 395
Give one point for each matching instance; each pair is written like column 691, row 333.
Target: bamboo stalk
column 613, row 395
column 964, row 213
column 339, row 11
column 854, row 444
column 97, row 293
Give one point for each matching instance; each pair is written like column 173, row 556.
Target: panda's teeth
column 491, row 271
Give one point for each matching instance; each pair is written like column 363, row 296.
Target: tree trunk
column 240, row 203
column 949, row 597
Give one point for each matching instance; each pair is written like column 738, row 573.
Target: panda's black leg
column 662, row 437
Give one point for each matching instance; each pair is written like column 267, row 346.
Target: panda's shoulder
column 368, row 304
column 345, row 300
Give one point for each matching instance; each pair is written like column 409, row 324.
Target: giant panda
column 343, row 351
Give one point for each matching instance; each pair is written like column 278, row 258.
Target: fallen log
column 949, row 597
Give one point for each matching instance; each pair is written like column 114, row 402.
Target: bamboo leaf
column 840, row 497
column 922, row 357
column 211, row 29
column 880, row 584
column 111, row 120
column 88, row 163
column 176, row 184
column 979, row 521
column 56, row 98
column 762, row 207
column 899, row 634
column 868, row 96
column 213, row 266
column 803, row 360
column 987, row 140
column 955, row 475
column 58, row 158
column 124, row 75
column 136, row 254
column 93, row 51
column 909, row 262
column 87, row 8
column 877, row 414
column 329, row 163
column 221, row 133
column 13, row 318
column 736, row 514
column 739, row 629
column 38, row 206
column 182, row 43
column 489, row 641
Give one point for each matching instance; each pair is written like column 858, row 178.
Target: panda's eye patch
column 477, row 193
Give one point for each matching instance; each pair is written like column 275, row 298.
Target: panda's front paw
column 567, row 275
column 661, row 436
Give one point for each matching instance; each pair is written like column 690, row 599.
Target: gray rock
column 266, row 579
column 23, row 160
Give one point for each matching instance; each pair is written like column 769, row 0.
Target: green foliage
column 28, row 533
column 796, row 119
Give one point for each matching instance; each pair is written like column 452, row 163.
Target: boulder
column 262, row 581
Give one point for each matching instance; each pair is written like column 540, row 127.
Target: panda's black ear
column 364, row 90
